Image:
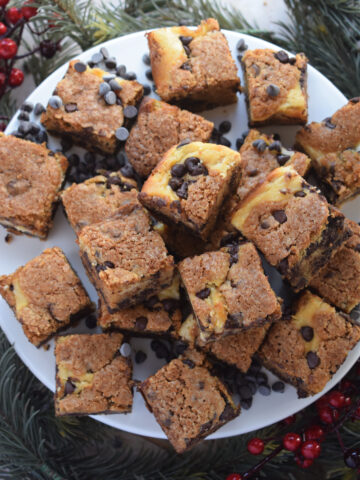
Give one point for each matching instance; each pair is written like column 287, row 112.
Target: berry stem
column 12, row 29
column 259, row 465
column 341, row 443
column 18, row 57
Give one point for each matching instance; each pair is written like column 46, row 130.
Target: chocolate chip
column 121, row 71
column 146, row 59
column 245, row 392
column 275, row 146
column 355, row 100
column 264, row 389
column 24, row 116
column 264, row 225
column 186, row 66
column 71, row 107
column 201, row 385
column 69, row 387
column 140, row 357
column 125, row 349
column 204, row 293
column 178, row 170
column 256, row 69
column 128, row 171
column 97, row 58
column 253, row 172
column 282, row 159
column 109, row 264
column 187, row 50
column 246, row 404
column 241, row 45
column 149, row 74
column 239, row 143
column 42, row 137
column 147, row 90
column 191, row 163
column 170, row 304
column 110, row 98
column 272, row 90
column 261, row 378
column 104, row 52
column 55, row 102
column 182, row 192
column 225, row 126
column 110, row 63
column 107, row 78
column 185, row 40
column 90, row 321
column 307, row 333
column 278, row 387
column 121, row 133
column 80, row 67
column 357, row 248
column 260, row 145
column 130, row 112
column 300, row 194
column 186, row 141
column 151, row 302
column 189, row 363
column 175, row 183
column 283, row 266
column 328, row 123
column 282, row 56
column 233, row 320
column 280, row 216
column 130, row 76
column 115, row 85
column 227, row 414
column 312, row 359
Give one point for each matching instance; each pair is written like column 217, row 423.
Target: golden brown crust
column 93, row 123
column 98, row 199
column 160, row 126
column 263, row 70
column 31, row 177
column 92, row 377
column 45, row 294
column 310, row 347
column 205, row 78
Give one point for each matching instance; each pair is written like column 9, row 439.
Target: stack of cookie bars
column 174, row 242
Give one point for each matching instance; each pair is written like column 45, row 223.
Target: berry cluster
column 12, row 23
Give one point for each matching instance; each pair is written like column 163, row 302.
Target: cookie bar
column 82, row 114
column 160, row 126
column 190, row 184
column 339, row 281
column 125, row 259
column 334, row 147
column 46, row 295
column 235, row 350
column 98, row 199
column 308, row 348
column 228, row 291
column 91, row 375
column 291, row 224
column 159, row 315
column 31, row 177
column 276, row 87
column 205, row 403
column 193, row 67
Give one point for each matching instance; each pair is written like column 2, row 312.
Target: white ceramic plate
column 324, row 99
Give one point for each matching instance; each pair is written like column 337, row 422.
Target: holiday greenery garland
column 36, row 445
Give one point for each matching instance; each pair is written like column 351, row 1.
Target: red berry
column 323, row 401
column 14, row 15
column 292, row 441
column 336, row 399
column 347, row 401
column 357, row 413
column 289, row 420
column 234, row 476
column 328, row 414
column 311, row 449
column 28, row 12
column 8, row 48
column 3, row 28
column 303, row 462
column 315, row 432
column 3, row 3
column 255, row 446
column 16, row 77
column 345, row 386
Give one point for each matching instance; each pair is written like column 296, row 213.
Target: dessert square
column 193, row 67
column 205, row 403
column 190, row 184
column 276, row 87
column 125, row 259
column 160, row 315
column 91, row 375
column 98, row 199
column 159, row 127
column 235, row 350
column 334, row 147
column 228, row 291
column 31, row 177
column 291, row 224
column 309, row 347
column 79, row 110
column 339, row 281
column 46, row 295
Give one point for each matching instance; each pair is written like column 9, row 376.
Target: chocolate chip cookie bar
column 193, row 67
column 276, row 87
column 309, row 347
column 125, row 259
column 334, row 147
column 291, row 224
column 228, row 291
column 46, row 295
column 81, row 110
column 190, row 184
column 339, row 281
column 31, row 177
column 159, row 315
column 205, row 403
column 235, row 350
column 91, row 375
column 98, row 199
column 159, row 127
